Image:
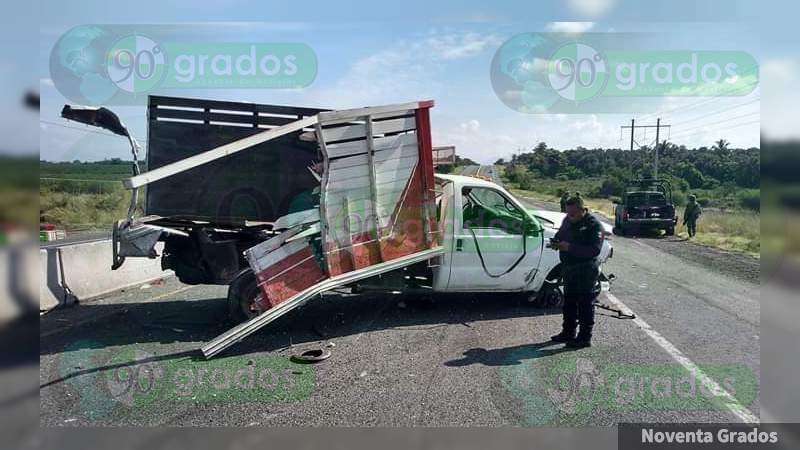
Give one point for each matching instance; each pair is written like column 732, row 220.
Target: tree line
column 718, row 172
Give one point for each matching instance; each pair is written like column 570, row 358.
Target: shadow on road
column 326, row 318
column 646, row 234
column 502, row 356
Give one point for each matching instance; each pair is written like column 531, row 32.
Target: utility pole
column 633, row 125
column 658, row 128
column 655, row 166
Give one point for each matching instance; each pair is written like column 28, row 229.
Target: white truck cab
column 492, row 242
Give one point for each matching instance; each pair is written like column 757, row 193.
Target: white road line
column 733, row 405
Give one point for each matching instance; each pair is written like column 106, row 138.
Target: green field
column 82, row 195
column 18, row 192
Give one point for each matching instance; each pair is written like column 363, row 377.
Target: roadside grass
column 84, row 211
column 732, row 230
column 736, row 230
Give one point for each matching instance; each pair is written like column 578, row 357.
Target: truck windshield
column 657, row 199
column 646, row 199
column 637, row 199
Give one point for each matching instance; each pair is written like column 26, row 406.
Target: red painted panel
column 366, row 251
column 279, row 284
column 285, row 263
column 425, row 147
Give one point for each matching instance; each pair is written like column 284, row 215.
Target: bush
column 679, row 198
column 749, row 199
column 611, row 186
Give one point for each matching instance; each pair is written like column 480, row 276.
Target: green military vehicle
column 645, row 205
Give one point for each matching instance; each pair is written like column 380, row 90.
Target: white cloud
column 46, row 82
column 779, row 80
column 472, row 126
column 569, row 27
column 410, row 70
column 591, row 8
column 463, row 45
column 473, row 142
column 780, row 70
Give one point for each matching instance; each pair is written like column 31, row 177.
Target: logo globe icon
column 78, row 65
column 577, row 72
column 518, row 75
column 93, row 65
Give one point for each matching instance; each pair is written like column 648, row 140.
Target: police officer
column 579, row 242
column 564, row 198
column 691, row 214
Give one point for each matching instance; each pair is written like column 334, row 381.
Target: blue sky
column 372, row 53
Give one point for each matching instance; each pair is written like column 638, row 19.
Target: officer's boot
column 570, row 323
column 586, row 316
column 564, row 336
column 584, row 339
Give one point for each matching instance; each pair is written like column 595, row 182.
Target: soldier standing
column 579, row 242
column 564, row 198
column 691, row 214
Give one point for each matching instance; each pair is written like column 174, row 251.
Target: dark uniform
column 580, row 268
column 690, row 216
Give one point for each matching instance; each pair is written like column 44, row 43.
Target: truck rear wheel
column 242, row 294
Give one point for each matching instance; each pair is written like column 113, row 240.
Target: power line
column 734, row 126
column 719, row 96
column 86, row 129
column 720, row 121
column 658, row 128
column 720, row 110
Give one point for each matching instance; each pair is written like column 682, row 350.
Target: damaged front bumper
column 135, row 238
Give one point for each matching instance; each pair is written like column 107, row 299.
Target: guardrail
column 79, row 272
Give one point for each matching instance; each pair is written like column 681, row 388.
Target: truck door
column 497, row 245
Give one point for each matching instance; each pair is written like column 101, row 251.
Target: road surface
column 458, row 360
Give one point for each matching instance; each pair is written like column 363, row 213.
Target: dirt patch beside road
column 739, row 265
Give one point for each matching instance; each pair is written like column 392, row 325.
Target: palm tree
column 721, row 144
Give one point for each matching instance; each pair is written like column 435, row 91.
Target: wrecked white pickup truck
column 285, row 203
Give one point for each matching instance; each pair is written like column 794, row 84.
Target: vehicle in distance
column 645, row 205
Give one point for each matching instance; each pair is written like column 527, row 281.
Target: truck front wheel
column 242, row 294
column 551, row 296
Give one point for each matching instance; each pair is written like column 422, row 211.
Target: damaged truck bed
column 358, row 200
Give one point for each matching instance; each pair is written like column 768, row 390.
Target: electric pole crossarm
column 658, row 128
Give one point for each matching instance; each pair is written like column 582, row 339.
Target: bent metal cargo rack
column 371, row 169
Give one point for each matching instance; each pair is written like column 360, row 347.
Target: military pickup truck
column 284, row 203
column 645, row 205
